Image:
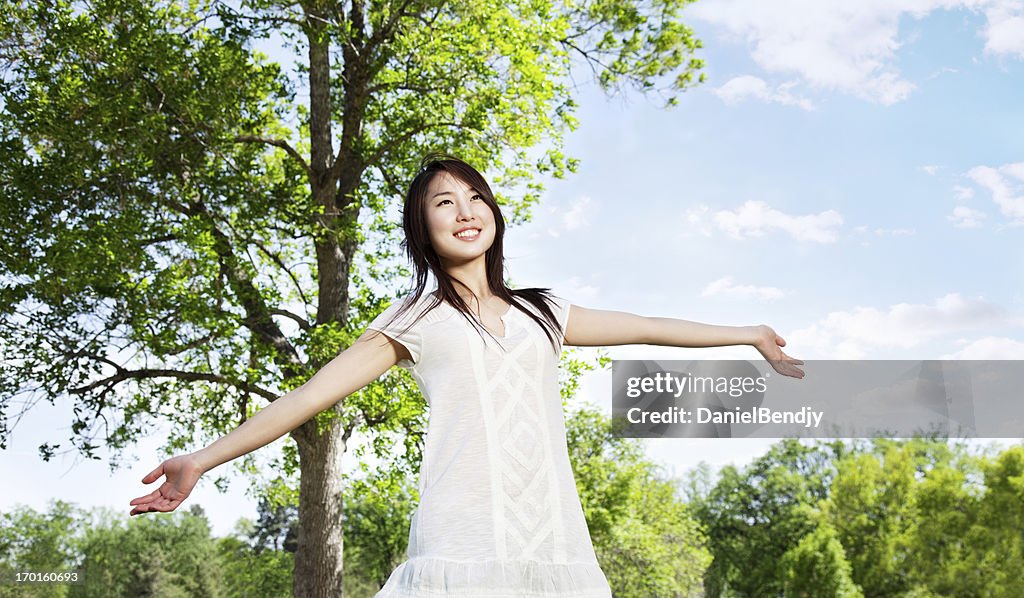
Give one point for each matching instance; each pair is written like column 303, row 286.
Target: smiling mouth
column 468, row 235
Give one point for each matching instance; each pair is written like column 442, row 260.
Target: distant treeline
column 910, row 518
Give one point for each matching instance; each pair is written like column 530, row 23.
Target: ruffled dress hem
column 429, row 577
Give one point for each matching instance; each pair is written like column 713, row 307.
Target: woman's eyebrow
column 473, row 189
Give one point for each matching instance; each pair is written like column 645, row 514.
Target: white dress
column 499, row 514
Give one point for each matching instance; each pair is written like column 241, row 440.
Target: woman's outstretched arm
column 370, row 356
column 596, row 328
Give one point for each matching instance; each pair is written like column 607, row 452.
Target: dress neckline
column 503, row 317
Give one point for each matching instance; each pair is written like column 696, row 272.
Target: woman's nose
column 465, row 211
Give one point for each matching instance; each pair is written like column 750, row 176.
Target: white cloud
column 964, row 217
column 1006, row 192
column 738, row 89
column 859, row 333
column 963, row 193
column 930, row 169
column 725, row 286
column 576, row 217
column 849, row 47
column 890, row 232
column 1004, row 31
column 694, row 219
column 940, row 72
column 755, row 218
column 1015, row 170
column 989, row 347
column 577, row 290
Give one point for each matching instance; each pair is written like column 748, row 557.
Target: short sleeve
column 561, row 310
column 402, row 329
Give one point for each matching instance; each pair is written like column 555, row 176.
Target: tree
column 873, row 511
column 276, row 528
column 875, row 506
column 378, row 511
column 997, row 539
column 31, row 541
column 186, row 235
column 817, row 566
column 947, row 509
column 247, row 573
column 756, row 515
column 644, row 534
column 170, row 556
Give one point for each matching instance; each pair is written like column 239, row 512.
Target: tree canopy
column 193, row 228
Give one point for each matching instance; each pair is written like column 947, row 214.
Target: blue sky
column 851, row 173
column 874, row 214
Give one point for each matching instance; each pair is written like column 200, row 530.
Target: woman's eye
column 478, row 196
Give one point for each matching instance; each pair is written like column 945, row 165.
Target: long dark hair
column 425, row 259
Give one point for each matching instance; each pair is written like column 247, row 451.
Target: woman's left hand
column 769, row 344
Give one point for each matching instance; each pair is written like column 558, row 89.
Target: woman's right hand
column 770, row 344
column 182, row 474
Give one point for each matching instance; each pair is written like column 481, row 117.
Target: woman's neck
column 470, row 280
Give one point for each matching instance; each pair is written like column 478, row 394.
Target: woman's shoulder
column 530, row 296
column 426, row 307
column 408, row 310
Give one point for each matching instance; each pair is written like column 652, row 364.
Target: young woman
column 499, row 514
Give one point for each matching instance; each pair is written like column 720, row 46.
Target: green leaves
column 881, row 518
column 188, row 234
column 646, row 538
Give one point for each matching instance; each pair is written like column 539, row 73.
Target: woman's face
column 459, row 221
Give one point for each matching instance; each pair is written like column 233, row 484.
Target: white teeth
column 467, row 234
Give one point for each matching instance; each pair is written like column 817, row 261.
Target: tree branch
column 303, row 324
column 280, row 264
column 374, row 89
column 384, row 149
column 257, row 314
column 125, row 374
column 390, row 182
column 384, row 32
column 586, row 56
column 272, row 21
column 281, row 143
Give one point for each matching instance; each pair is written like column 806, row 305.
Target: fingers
column 139, row 510
column 160, row 506
column 147, row 503
column 154, row 475
column 792, row 360
column 791, row 372
column 147, row 498
column 787, row 366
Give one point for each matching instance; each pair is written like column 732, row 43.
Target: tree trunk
column 318, row 561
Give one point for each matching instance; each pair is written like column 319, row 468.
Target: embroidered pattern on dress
column 523, row 477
